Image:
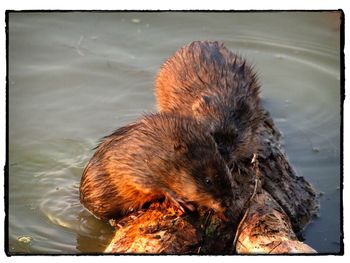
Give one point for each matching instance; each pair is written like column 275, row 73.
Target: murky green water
column 75, row 77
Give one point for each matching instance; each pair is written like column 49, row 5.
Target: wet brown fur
column 207, row 81
column 158, row 156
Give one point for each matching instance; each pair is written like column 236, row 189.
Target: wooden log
column 160, row 229
column 266, row 229
column 165, row 229
column 293, row 193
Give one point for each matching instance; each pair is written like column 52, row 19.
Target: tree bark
column 266, row 229
column 277, row 210
column 292, row 192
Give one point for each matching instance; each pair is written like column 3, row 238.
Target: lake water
column 75, row 77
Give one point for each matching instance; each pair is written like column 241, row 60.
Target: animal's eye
column 207, row 181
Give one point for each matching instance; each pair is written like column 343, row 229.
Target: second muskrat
column 160, row 155
column 207, row 81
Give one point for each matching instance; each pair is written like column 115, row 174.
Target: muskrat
column 207, row 81
column 160, row 155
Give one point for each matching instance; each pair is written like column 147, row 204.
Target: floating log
column 164, row 229
column 293, row 193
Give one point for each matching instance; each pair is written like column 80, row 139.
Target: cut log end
column 267, row 230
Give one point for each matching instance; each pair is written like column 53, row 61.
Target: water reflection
column 93, row 235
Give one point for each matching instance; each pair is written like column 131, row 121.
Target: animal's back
column 204, row 68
